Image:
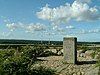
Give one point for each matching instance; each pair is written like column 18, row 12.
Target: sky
column 50, row 19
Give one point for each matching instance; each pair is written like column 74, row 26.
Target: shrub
column 19, row 62
column 97, row 55
column 41, row 70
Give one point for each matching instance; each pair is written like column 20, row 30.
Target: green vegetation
column 21, row 61
column 96, row 54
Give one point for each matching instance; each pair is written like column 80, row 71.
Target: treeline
column 13, row 41
column 88, row 43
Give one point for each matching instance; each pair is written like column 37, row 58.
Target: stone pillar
column 69, row 47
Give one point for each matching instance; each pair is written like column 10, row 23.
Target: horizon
column 45, row 40
column 50, row 19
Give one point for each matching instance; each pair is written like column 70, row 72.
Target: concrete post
column 69, row 47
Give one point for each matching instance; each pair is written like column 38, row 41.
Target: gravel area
column 62, row 68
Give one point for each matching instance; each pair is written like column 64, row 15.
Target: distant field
column 4, row 43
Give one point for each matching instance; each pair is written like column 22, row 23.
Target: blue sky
column 50, row 19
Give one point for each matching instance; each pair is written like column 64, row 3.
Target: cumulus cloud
column 82, row 12
column 35, row 27
column 79, row 10
column 29, row 28
column 89, row 31
column 55, row 14
column 13, row 26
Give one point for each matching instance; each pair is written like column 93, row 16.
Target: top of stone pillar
column 70, row 38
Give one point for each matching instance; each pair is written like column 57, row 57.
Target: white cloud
column 63, row 29
column 35, row 27
column 89, row 31
column 84, row 1
column 13, row 26
column 82, row 12
column 55, row 14
column 29, row 32
column 94, row 31
column 79, row 10
column 82, row 31
column 69, row 27
column 29, row 28
column 45, row 13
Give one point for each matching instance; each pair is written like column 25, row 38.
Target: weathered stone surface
column 69, row 47
column 93, row 71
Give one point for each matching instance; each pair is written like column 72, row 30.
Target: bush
column 97, row 53
column 19, row 62
column 41, row 70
